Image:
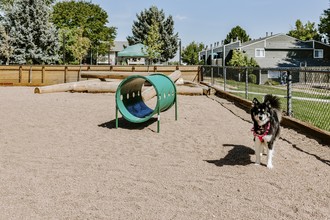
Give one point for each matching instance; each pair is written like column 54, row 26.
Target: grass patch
column 314, row 112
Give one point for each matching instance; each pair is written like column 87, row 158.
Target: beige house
column 112, row 57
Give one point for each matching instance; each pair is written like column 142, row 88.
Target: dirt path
column 62, row 158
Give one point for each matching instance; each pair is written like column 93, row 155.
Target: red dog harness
column 261, row 136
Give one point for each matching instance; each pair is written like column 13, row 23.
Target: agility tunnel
column 130, row 103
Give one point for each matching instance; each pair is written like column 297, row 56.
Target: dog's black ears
column 268, row 104
column 255, row 102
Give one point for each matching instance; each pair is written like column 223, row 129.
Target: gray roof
column 119, row 46
column 282, row 41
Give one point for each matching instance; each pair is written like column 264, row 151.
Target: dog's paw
column 270, row 166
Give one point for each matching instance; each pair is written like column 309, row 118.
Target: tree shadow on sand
column 239, row 155
column 124, row 124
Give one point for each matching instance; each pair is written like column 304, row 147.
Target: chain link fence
column 304, row 92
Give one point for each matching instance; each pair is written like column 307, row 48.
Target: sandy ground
column 62, row 158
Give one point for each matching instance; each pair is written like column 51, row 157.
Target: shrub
column 252, row 78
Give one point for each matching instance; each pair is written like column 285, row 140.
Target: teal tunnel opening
column 129, row 100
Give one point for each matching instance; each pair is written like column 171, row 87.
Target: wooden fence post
column 78, row 75
column 42, row 74
column 65, row 73
column 30, row 75
column 20, row 74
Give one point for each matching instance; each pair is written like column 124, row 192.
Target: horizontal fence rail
column 38, row 75
column 304, row 92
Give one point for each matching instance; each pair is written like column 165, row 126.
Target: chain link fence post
column 224, row 78
column 289, row 94
column 212, row 76
column 246, row 83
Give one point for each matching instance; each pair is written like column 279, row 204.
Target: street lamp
column 179, row 51
column 64, row 39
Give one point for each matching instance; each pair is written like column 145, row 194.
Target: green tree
column 240, row 59
column 91, row 18
column 304, row 32
column 144, row 22
column 78, row 45
column 34, row 38
column 237, row 33
column 153, row 42
column 324, row 25
column 190, row 53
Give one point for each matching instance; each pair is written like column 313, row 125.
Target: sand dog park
column 112, row 110
column 72, row 155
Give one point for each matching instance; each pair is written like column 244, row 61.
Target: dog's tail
column 274, row 101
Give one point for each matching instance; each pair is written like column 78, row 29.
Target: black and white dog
column 266, row 117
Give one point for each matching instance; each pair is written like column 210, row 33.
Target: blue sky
column 210, row 21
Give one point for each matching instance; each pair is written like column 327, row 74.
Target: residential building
column 112, row 57
column 271, row 51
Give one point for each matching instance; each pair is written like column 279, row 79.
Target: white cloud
column 180, row 17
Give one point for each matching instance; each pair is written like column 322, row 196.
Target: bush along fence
column 304, row 92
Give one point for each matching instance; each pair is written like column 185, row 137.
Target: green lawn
column 314, row 112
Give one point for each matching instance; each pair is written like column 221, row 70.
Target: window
column 273, row 74
column 260, row 52
column 318, row 53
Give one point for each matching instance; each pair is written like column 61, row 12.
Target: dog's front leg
column 270, row 155
column 258, row 150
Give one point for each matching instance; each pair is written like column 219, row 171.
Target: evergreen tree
column 324, row 25
column 34, row 38
column 304, row 32
column 4, row 4
column 144, row 22
column 6, row 49
column 237, row 33
column 190, row 53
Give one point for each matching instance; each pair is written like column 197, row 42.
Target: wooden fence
column 39, row 75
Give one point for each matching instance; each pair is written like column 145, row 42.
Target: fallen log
column 92, row 86
column 111, row 75
column 64, row 87
column 206, row 89
column 97, row 86
column 102, row 87
column 187, row 90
